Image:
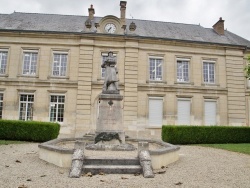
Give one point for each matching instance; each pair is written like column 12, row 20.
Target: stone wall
column 83, row 82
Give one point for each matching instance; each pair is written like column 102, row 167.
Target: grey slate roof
column 145, row 28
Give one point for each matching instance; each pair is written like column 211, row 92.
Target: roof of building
column 145, row 28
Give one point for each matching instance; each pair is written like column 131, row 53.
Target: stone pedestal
column 109, row 120
column 109, row 129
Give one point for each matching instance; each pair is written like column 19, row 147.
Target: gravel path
column 197, row 167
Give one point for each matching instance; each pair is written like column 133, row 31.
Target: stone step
column 111, row 161
column 112, row 169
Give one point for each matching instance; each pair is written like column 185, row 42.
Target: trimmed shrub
column 28, row 130
column 205, row 134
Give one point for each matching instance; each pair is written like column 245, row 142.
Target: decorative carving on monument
column 104, row 136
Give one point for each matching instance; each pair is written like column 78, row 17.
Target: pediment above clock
column 113, row 20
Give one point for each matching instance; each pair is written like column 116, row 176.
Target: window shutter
column 210, row 112
column 183, row 112
column 155, row 112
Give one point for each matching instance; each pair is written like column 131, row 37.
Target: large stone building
column 169, row 73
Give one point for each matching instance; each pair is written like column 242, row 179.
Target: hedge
column 28, row 130
column 205, row 134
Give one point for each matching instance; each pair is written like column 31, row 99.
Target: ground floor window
column 57, row 108
column 183, row 108
column 210, row 112
column 1, row 105
column 155, row 111
column 26, row 103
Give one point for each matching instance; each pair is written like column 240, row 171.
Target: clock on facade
column 110, row 28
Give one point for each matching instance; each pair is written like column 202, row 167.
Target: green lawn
column 6, row 142
column 241, row 148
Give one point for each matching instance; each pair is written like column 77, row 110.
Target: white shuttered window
column 155, row 111
column 183, row 108
column 210, row 112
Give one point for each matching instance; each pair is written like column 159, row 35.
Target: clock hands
column 110, row 28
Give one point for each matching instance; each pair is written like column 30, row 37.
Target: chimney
column 219, row 26
column 91, row 12
column 123, row 11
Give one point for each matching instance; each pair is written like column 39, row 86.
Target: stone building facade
column 169, row 73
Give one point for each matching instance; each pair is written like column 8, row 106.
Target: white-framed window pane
column 57, row 108
column 59, row 64
column 3, row 61
column 209, row 72
column 30, row 63
column 26, row 107
column 182, row 71
column 1, row 105
column 155, row 69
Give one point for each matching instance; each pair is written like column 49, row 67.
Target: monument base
column 112, row 147
column 110, row 140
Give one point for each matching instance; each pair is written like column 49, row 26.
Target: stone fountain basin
column 59, row 151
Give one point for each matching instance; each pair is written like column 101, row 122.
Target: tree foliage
column 247, row 69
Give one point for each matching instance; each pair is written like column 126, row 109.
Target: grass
column 240, row 148
column 7, row 142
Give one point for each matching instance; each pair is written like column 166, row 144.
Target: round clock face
column 110, row 28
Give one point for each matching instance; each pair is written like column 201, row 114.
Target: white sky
column 236, row 13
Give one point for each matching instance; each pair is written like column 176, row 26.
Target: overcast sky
column 236, row 13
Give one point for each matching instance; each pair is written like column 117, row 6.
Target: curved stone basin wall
column 161, row 155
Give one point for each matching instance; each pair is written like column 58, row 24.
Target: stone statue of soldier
column 110, row 85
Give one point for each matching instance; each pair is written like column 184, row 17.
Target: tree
column 247, row 68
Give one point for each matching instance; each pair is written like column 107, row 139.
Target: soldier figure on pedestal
column 110, row 85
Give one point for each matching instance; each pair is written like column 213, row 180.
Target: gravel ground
column 197, row 167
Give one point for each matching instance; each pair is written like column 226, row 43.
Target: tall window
column 57, row 108
column 59, row 64
column 30, row 63
column 155, row 69
column 3, row 61
column 182, row 71
column 26, row 107
column 104, row 58
column 209, row 72
column 1, row 105
column 210, row 112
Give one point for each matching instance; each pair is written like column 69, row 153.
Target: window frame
column 181, row 80
column 66, row 64
column 30, row 62
column 27, row 102
column 149, row 67
column 56, row 108
column 7, row 58
column 208, row 70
